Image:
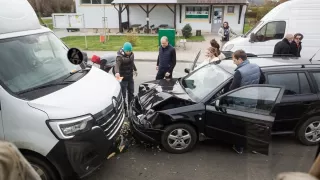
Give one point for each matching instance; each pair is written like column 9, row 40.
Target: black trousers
column 162, row 72
column 127, row 86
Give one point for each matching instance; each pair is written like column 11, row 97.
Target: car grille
column 110, row 120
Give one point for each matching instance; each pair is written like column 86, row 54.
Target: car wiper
column 78, row 71
column 45, row 86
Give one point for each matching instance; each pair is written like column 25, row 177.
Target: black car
column 178, row 112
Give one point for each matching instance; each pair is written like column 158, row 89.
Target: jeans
column 127, row 86
column 162, row 72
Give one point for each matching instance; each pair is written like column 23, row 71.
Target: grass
column 48, row 22
column 145, row 43
column 247, row 27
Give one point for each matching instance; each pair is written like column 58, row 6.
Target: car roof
column 267, row 63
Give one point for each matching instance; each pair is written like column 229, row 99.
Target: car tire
column 43, row 168
column 307, row 127
column 179, row 138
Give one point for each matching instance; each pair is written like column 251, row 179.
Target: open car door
column 194, row 65
column 243, row 116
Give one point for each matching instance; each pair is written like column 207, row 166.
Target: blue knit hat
column 127, row 47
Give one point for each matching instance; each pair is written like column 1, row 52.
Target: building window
column 85, row 1
column 96, row 1
column 107, row 1
column 197, row 12
column 230, row 9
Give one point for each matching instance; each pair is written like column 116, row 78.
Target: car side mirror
column 252, row 37
column 187, row 70
column 217, row 103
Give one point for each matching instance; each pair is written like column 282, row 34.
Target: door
column 267, row 37
column 243, row 116
column 298, row 100
column 217, row 19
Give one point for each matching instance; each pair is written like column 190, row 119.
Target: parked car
column 179, row 112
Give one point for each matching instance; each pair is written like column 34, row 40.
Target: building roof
column 180, row 2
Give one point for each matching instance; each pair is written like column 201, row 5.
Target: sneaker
column 238, row 149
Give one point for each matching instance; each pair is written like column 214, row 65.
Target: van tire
column 185, row 130
column 46, row 170
column 304, row 128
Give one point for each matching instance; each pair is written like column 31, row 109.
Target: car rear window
column 295, row 83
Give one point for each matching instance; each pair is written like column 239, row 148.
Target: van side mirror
column 252, row 37
column 187, row 70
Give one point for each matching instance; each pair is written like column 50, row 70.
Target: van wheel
column 309, row 132
column 44, row 170
column 179, row 138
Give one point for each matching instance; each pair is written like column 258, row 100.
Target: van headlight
column 229, row 47
column 68, row 128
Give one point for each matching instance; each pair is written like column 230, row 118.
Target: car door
column 243, row 116
column 297, row 101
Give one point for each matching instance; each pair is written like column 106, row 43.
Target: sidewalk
column 183, row 55
column 188, row 55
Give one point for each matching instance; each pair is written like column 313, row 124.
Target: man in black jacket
column 282, row 48
column 166, row 59
column 126, row 68
column 296, row 45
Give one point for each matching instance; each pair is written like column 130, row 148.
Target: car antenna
column 314, row 56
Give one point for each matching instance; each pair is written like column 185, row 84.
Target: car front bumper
column 139, row 130
column 79, row 157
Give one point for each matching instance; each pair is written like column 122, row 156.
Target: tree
column 187, row 31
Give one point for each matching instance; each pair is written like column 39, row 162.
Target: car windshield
column 250, row 31
column 33, row 60
column 204, row 80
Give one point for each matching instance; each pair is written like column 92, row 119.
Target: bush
column 133, row 38
column 187, row 31
column 252, row 14
column 263, row 11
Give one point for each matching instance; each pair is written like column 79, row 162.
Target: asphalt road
column 209, row 160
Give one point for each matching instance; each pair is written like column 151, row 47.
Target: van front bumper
column 79, row 157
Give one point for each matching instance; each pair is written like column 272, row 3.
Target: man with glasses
column 296, row 46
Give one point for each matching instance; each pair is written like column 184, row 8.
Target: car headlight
column 229, row 47
column 68, row 128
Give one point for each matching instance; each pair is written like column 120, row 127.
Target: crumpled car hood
column 153, row 93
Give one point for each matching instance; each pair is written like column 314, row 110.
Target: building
column 205, row 15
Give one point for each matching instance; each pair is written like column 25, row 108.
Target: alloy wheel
column 179, row 139
column 312, row 132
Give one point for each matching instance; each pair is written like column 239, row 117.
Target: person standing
column 296, row 45
column 282, row 48
column 226, row 33
column 166, row 59
column 211, row 56
column 216, row 45
column 126, row 68
column 245, row 74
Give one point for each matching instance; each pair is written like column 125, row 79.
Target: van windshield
column 250, row 31
column 33, row 60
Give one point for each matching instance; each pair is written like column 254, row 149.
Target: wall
column 93, row 15
column 232, row 19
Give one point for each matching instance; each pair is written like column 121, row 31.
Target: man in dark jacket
column 245, row 74
column 296, row 45
column 125, row 68
column 166, row 59
column 282, row 48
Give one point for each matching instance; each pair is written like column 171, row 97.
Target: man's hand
column 157, row 68
column 167, row 74
column 117, row 75
column 135, row 73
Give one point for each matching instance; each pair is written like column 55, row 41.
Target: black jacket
column 125, row 65
column 295, row 49
column 282, row 48
column 167, row 57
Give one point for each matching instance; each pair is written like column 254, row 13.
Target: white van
column 63, row 118
column 294, row 16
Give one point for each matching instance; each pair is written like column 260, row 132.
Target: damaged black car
column 176, row 113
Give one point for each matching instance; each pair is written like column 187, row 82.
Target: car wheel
column 179, row 138
column 309, row 132
column 45, row 171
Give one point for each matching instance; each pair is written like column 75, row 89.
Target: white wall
column 232, row 19
column 93, row 15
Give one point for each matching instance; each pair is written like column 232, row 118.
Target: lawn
column 48, row 22
column 247, row 27
column 145, row 43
